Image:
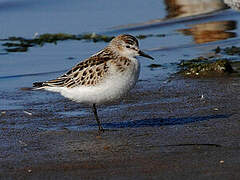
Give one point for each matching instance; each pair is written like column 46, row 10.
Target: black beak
column 141, row 53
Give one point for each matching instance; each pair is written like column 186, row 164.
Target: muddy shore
column 182, row 129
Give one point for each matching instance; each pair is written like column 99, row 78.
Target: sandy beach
column 185, row 129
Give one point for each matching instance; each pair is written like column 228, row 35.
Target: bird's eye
column 127, row 46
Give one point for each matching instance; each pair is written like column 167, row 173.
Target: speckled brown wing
column 86, row 73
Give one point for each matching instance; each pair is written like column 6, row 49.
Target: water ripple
column 31, row 74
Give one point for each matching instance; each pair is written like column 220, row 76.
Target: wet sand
column 180, row 129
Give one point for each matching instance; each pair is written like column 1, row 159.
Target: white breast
column 115, row 85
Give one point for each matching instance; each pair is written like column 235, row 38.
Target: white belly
column 114, row 86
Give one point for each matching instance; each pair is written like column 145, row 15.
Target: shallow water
column 191, row 28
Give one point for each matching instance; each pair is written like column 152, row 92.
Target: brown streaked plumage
column 91, row 71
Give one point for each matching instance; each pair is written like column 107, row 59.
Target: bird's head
column 127, row 45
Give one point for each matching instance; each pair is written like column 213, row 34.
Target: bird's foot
column 100, row 130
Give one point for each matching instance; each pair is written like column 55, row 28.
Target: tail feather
column 52, row 83
column 38, row 84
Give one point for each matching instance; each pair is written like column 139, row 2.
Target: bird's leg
column 100, row 128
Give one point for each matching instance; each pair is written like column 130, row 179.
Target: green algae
column 20, row 44
column 217, row 50
column 234, row 50
column 18, row 49
column 141, row 36
column 214, row 65
column 203, row 67
column 155, row 65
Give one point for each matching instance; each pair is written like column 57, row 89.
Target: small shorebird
column 104, row 77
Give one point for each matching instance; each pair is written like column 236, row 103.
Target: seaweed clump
column 203, row 67
column 234, row 50
column 19, row 44
column 142, row 36
column 155, row 65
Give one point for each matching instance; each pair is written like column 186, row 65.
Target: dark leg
column 100, row 128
